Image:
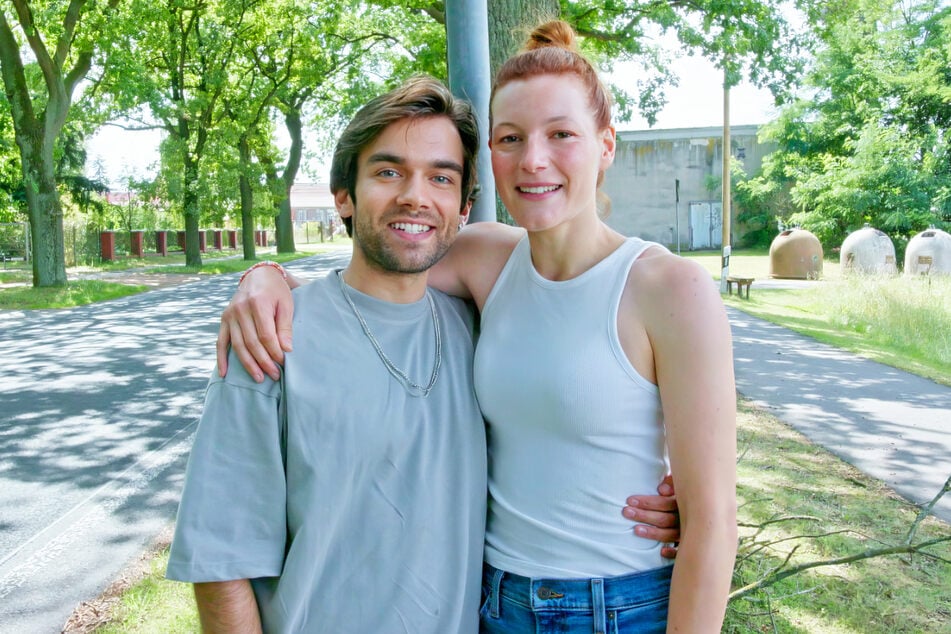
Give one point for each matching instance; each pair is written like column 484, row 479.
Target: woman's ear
column 609, row 146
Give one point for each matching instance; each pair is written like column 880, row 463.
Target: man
column 349, row 495
column 362, row 510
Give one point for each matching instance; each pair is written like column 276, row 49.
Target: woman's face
column 547, row 150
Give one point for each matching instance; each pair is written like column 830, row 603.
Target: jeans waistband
column 612, row 593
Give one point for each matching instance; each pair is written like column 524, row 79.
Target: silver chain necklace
column 413, row 388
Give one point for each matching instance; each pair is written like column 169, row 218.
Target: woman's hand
column 658, row 516
column 257, row 324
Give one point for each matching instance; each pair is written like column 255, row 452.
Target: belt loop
column 495, row 591
column 597, row 606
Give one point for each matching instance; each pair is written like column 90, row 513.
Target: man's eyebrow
column 385, row 157
column 445, row 164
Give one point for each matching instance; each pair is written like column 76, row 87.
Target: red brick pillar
column 107, row 243
column 233, row 238
column 202, row 241
column 217, row 238
column 181, row 240
column 136, row 245
column 161, row 242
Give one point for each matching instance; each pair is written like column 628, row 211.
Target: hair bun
column 556, row 33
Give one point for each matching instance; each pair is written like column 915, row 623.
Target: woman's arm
column 257, row 322
column 689, row 334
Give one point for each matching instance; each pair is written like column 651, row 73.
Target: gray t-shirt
column 368, row 515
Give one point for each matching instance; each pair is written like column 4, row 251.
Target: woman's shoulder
column 476, row 258
column 662, row 277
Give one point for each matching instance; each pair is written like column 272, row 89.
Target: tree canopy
column 867, row 143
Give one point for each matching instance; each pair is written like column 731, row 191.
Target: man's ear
column 343, row 203
column 464, row 214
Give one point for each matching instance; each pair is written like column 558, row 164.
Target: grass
column 76, row 293
column 781, row 474
column 896, row 320
column 143, row 601
column 21, row 295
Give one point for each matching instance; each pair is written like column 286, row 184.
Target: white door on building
column 706, row 225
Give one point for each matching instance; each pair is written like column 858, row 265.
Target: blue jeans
column 615, row 605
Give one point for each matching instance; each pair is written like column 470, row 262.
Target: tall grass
column 912, row 314
column 901, row 321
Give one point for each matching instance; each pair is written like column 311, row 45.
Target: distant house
column 312, row 202
column 643, row 183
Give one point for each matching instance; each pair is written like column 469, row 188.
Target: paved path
column 892, row 425
column 98, row 405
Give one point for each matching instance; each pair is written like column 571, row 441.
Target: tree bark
column 247, row 200
column 510, row 22
column 283, row 223
column 190, row 205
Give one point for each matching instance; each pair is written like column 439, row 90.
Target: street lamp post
column 725, row 205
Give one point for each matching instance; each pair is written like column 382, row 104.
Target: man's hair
column 417, row 98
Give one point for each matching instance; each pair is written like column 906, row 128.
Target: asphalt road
column 890, row 424
column 98, row 406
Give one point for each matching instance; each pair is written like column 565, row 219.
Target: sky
column 696, row 102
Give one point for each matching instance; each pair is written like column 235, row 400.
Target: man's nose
column 414, row 193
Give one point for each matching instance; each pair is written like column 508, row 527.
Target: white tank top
column 573, row 428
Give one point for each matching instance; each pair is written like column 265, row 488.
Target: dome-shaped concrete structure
column 868, row 251
column 795, row 254
column 929, row 253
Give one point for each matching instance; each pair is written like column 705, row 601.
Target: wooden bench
column 740, row 283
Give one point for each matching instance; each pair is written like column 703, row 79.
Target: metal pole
column 467, row 37
column 725, row 259
column 677, row 210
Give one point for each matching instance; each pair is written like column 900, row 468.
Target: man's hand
column 257, row 324
column 658, row 516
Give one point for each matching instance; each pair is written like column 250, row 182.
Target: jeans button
column 544, row 593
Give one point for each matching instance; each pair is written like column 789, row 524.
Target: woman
column 642, row 374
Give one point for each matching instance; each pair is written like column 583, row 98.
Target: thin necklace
column 414, row 389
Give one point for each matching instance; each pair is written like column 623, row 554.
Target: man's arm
column 227, row 607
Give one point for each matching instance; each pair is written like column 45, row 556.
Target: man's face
column 408, row 195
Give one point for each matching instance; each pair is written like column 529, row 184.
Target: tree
column 307, row 62
column 178, row 63
column 40, row 108
column 869, row 144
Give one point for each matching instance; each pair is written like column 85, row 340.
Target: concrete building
column 643, row 183
column 312, row 202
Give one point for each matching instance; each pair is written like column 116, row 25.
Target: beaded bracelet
column 258, row 265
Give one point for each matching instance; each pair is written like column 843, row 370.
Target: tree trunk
column 247, row 207
column 190, row 209
column 283, row 223
column 45, row 213
column 510, row 22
